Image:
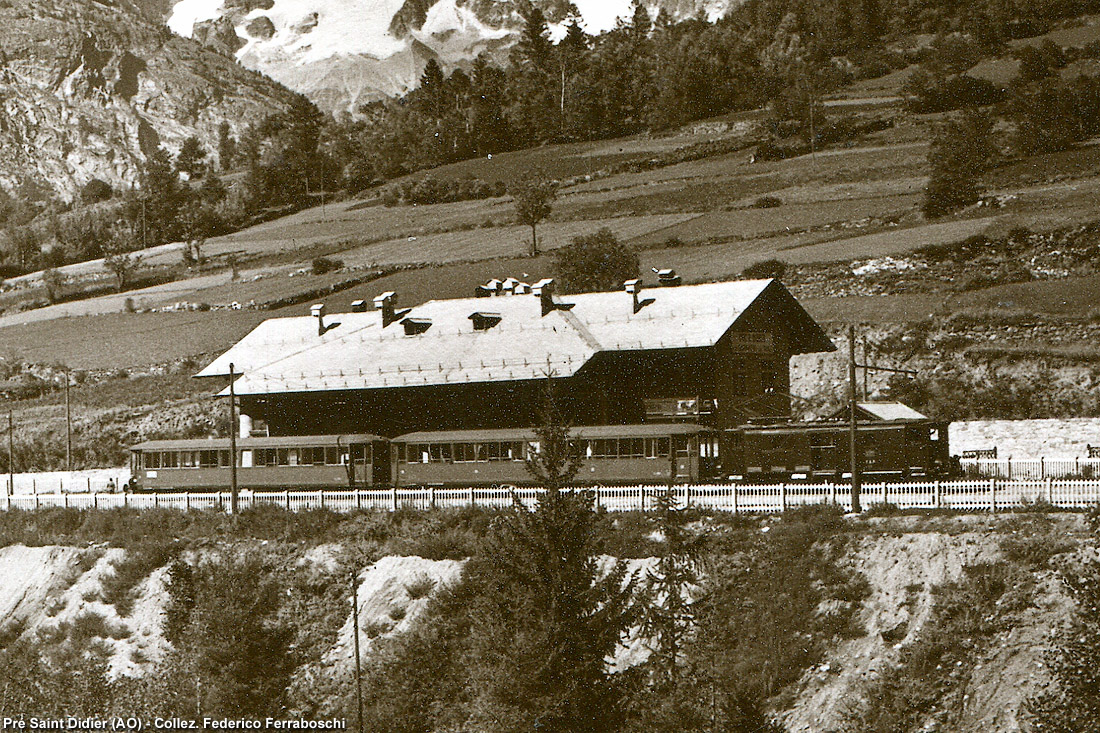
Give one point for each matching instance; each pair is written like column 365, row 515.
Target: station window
column 631, row 448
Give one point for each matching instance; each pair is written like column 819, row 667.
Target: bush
column 321, row 265
column 767, row 202
column 140, row 560
column 95, row 191
column 420, row 587
column 765, row 269
column 595, row 262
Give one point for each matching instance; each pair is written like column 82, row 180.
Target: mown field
column 849, row 202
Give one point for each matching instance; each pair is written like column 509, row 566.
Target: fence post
column 1048, row 486
column 1042, row 467
column 393, row 498
column 687, row 496
column 783, row 498
column 936, row 494
column 735, row 487
column 37, row 500
column 286, row 499
column 641, row 494
column 322, row 493
column 64, row 500
column 832, row 492
column 125, row 500
column 596, row 493
column 993, row 495
column 187, row 500
column 431, row 497
column 89, row 484
column 156, row 500
column 471, row 495
column 95, row 501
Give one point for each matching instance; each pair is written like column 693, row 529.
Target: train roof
column 862, row 424
column 282, row 441
column 649, row 430
column 499, row 339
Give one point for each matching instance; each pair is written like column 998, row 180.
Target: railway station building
column 716, row 354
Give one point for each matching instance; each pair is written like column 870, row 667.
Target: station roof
column 440, row 342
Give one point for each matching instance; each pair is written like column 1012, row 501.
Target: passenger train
column 651, row 453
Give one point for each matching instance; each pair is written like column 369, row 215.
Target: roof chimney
column 387, row 303
column 634, row 287
column 544, row 289
column 318, row 312
column 358, row 306
column 667, row 277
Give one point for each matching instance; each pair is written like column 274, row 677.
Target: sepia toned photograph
column 534, row 366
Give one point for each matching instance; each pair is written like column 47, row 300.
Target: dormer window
column 416, row 326
column 484, row 321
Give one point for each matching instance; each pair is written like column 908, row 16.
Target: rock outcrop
column 87, row 89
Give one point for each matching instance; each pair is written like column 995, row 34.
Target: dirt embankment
column 904, row 561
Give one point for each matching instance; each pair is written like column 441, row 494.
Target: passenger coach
column 299, row 462
column 610, row 454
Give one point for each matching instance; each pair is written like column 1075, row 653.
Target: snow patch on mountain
column 342, row 53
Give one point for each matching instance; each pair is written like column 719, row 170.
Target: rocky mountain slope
column 88, row 88
column 342, row 53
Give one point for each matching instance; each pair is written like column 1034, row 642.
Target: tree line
column 646, row 73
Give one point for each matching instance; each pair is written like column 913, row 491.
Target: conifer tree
column 543, row 653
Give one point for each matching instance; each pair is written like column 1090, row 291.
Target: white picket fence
column 992, row 494
column 1031, row 468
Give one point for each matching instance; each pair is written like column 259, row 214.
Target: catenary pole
column 232, row 444
column 68, row 428
column 852, row 447
column 11, row 453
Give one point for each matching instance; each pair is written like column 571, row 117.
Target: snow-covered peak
column 382, row 56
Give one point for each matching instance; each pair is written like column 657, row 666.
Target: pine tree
column 543, row 653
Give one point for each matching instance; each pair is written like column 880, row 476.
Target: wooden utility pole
column 358, row 667
column 853, row 454
column 11, row 453
column 232, row 443
column 68, row 427
column 866, row 372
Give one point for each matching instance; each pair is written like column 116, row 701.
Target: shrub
column 139, row 561
column 765, row 269
column 595, row 262
column 767, row 202
column 420, row 587
column 95, row 191
column 397, row 613
column 321, row 265
column 374, row 629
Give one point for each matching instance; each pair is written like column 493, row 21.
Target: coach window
column 440, row 452
column 223, row 459
column 682, row 445
column 608, row 448
column 656, row 447
column 631, row 448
